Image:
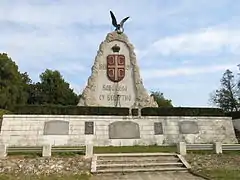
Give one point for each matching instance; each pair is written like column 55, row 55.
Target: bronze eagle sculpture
column 119, row 27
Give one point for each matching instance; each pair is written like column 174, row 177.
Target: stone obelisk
column 115, row 79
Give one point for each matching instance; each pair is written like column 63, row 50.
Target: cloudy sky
column 183, row 46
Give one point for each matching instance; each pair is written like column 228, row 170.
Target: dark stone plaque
column 188, row 127
column 56, row 127
column 158, row 129
column 124, row 130
column 89, row 127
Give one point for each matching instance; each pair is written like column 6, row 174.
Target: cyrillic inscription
column 108, row 87
column 115, row 97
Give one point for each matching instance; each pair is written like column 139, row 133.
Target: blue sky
column 183, row 46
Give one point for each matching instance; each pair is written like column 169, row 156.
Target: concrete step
column 135, row 154
column 142, row 162
column 137, row 159
column 126, row 167
column 141, row 170
column 100, row 162
column 137, row 165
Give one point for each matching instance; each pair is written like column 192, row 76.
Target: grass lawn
column 134, row 149
column 222, row 174
column 107, row 149
column 216, row 167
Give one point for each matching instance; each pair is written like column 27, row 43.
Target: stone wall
column 114, row 130
column 236, row 124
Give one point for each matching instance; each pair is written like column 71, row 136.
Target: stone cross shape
column 116, row 66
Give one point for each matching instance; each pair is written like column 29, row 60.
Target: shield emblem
column 115, row 67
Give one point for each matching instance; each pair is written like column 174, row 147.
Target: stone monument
column 115, row 79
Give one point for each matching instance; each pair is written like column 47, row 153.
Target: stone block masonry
column 31, row 130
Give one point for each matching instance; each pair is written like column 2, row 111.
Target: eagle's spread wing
column 123, row 21
column 114, row 21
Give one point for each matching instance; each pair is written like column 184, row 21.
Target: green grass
column 36, row 155
column 221, row 174
column 49, row 177
column 212, row 152
column 200, row 152
column 26, row 154
column 134, row 149
column 54, row 154
column 3, row 111
column 216, row 167
column 232, row 152
column 106, row 149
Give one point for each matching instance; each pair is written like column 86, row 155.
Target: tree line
column 17, row 88
column 227, row 96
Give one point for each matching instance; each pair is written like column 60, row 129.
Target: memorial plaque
column 158, row 129
column 56, row 127
column 89, row 127
column 124, row 130
column 188, row 127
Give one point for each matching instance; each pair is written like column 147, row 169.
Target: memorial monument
column 115, row 78
column 115, row 82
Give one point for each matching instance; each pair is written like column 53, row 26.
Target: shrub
column 182, row 111
column 116, row 111
column 70, row 110
column 234, row 115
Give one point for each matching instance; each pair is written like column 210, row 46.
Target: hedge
column 3, row 111
column 182, row 111
column 70, row 110
column 234, row 115
column 80, row 110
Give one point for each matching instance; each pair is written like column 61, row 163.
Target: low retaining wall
column 32, row 130
column 218, row 147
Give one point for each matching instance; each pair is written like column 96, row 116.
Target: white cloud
column 71, row 69
column 89, row 12
column 184, row 71
column 204, row 41
column 65, row 35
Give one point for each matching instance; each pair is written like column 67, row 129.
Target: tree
column 160, row 99
column 226, row 97
column 35, row 94
column 53, row 89
column 12, row 84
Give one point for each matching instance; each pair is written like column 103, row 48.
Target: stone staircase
column 138, row 162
